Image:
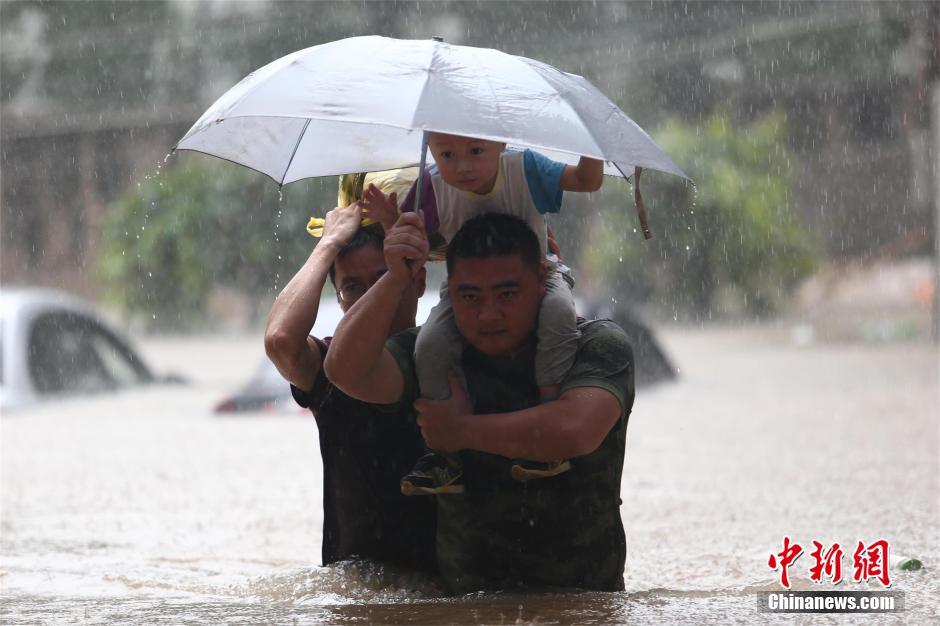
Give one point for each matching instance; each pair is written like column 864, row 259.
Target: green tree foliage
column 202, row 225
column 733, row 243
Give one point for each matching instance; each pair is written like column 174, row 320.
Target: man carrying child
column 473, row 176
column 563, row 532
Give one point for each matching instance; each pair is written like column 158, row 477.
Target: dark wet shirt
column 558, row 532
column 366, row 449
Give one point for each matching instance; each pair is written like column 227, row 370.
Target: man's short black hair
column 494, row 234
column 371, row 235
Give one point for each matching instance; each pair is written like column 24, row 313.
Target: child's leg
column 438, row 349
column 558, row 336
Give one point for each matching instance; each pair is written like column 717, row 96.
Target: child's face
column 466, row 163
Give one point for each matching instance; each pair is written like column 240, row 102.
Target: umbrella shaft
column 421, row 164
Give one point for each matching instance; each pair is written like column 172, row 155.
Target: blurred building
column 94, row 95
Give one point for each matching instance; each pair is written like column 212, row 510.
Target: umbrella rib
column 424, row 87
column 489, row 83
column 587, row 127
column 227, row 160
column 300, row 137
column 493, row 97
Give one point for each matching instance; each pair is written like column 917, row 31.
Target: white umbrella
column 362, row 104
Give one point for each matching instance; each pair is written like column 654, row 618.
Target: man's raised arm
column 358, row 362
column 286, row 337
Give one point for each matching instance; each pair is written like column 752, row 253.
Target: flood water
column 145, row 508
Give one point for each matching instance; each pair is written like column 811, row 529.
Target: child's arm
column 587, row 175
column 380, row 207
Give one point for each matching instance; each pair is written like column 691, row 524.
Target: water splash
column 346, row 582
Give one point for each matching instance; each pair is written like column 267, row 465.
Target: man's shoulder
column 603, row 339
column 604, row 359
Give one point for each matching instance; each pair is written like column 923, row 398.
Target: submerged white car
column 53, row 345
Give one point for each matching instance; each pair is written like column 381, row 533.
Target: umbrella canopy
column 361, row 104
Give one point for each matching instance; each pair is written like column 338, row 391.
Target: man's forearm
column 573, row 425
column 357, row 361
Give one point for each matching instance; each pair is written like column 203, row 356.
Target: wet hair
column 494, row 234
column 371, row 235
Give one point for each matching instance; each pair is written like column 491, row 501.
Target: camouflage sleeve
column 402, row 348
column 604, row 360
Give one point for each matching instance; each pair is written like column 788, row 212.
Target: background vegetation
column 729, row 244
column 201, row 226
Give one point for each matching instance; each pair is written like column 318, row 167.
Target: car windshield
column 69, row 352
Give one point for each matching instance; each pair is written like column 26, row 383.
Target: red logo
column 868, row 562
column 871, row 561
column 828, row 564
column 784, row 559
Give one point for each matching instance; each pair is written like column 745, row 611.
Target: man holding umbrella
column 499, row 534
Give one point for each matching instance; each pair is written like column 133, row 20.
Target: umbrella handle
column 640, row 206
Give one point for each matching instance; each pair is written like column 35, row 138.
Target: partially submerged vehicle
column 55, row 345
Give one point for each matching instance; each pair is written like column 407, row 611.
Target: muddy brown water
column 145, row 508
